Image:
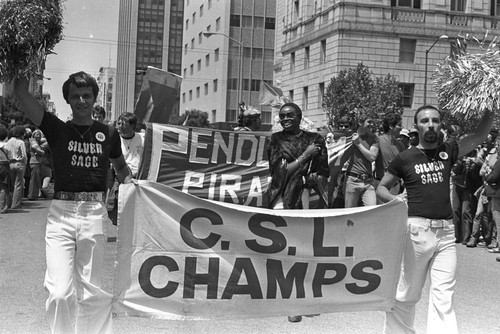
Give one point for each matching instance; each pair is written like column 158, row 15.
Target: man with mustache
column 430, row 247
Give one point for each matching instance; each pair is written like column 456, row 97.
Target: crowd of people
column 450, row 182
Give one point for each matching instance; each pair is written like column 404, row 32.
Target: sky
column 90, row 29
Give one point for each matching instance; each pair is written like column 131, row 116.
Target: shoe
column 472, row 242
column 498, row 258
column 494, row 250
column 492, row 245
column 295, row 318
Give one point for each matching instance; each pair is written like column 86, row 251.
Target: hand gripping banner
column 182, row 257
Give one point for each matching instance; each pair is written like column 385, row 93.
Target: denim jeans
column 356, row 190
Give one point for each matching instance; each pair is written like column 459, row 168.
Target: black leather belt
column 93, row 196
column 363, row 177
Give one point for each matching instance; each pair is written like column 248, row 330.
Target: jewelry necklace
column 432, row 158
column 79, row 133
column 128, row 141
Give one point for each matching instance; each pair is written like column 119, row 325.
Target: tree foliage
column 355, row 89
column 196, row 118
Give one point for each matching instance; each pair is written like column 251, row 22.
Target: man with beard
column 430, row 248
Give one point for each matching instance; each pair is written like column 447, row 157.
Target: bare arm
column 32, row 109
column 121, row 168
column 369, row 154
column 387, row 182
column 470, row 142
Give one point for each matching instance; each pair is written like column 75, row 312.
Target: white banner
column 182, row 257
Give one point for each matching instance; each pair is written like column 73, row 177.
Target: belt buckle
column 81, row 196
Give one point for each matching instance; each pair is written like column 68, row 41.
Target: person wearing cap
column 249, row 119
column 430, row 249
column 404, row 137
column 413, row 134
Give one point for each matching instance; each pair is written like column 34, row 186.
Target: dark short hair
column 390, row 119
column 80, row 80
column 129, row 118
column 423, row 108
column 3, row 132
column 293, row 105
column 99, row 111
column 17, row 131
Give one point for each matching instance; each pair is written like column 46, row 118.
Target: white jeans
column 427, row 250
column 75, row 248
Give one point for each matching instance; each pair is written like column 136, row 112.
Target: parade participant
column 36, row 156
column 249, row 120
column 99, row 114
column 359, row 184
column 404, row 137
column 18, row 158
column 294, row 155
column 390, row 146
column 132, row 142
column 4, row 172
column 75, row 243
column 430, row 248
column 414, row 140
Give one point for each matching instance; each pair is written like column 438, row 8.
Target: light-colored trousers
column 427, row 251
column 75, row 249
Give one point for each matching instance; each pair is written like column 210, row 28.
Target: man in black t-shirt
column 430, row 248
column 82, row 150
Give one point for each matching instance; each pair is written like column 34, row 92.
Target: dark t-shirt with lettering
column 426, row 174
column 80, row 153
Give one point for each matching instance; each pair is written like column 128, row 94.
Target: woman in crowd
column 36, row 156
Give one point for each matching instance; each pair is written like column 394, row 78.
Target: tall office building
column 319, row 38
column 225, row 44
column 149, row 34
column 106, row 97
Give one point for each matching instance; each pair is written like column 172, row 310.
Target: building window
column 183, row 97
column 205, row 87
column 207, row 60
column 270, row 23
column 246, row 84
column 232, row 84
column 191, row 69
column 200, row 38
column 192, row 44
column 407, row 50
column 201, row 10
column 198, row 66
column 185, row 72
column 255, row 85
column 234, row 21
column 209, row 27
column 198, row 92
column 187, row 24
column 290, row 93
column 321, row 94
column 214, row 113
column 256, row 53
column 305, row 94
column 194, row 17
column 292, row 62
column 258, row 22
column 406, row 3
column 190, row 95
column 209, row 4
column 217, row 24
column 306, row 58
column 407, row 99
column 246, row 21
column 322, row 52
column 215, row 83
column 495, row 8
column 231, row 115
column 185, row 48
column 457, row 5
column 216, row 54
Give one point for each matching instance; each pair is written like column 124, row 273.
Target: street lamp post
column 240, row 62
column 426, row 63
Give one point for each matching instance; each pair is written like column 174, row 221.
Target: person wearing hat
column 249, row 119
column 404, row 137
column 413, row 134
